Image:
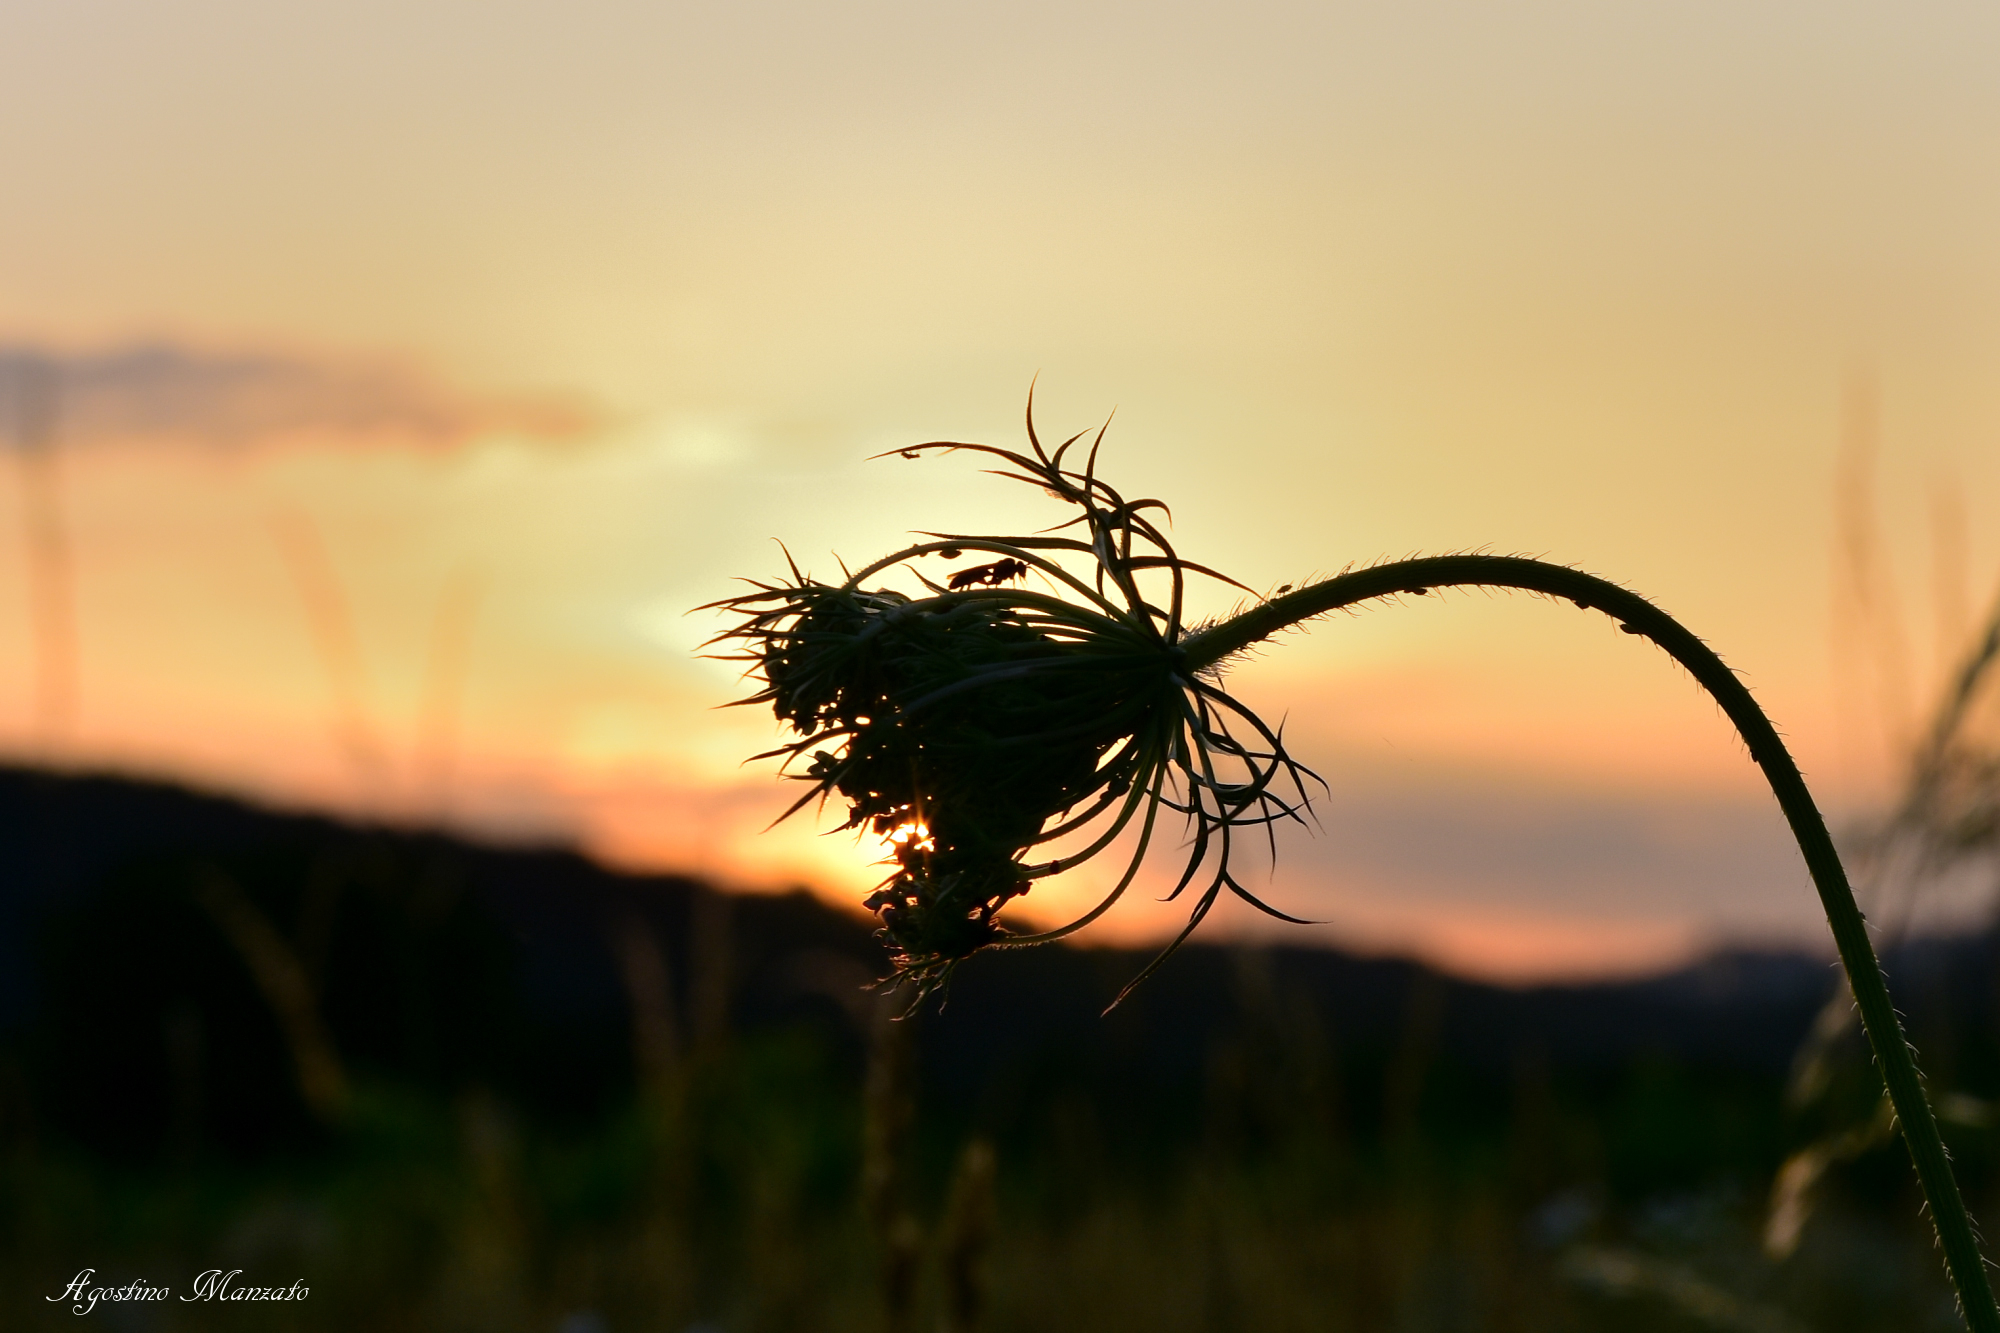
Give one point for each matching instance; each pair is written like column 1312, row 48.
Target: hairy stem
column 1893, row 1055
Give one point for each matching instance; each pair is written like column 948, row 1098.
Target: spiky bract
column 971, row 725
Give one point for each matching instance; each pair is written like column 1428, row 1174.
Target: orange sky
column 564, row 312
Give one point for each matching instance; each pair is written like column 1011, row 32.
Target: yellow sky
column 1580, row 280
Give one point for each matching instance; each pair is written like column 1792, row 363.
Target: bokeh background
column 422, row 365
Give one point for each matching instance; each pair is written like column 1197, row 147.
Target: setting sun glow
column 401, row 414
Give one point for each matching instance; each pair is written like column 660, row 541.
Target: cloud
column 167, row 390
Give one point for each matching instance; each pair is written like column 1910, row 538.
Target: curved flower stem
column 1636, row 615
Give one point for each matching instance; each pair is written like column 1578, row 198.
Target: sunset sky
column 421, row 365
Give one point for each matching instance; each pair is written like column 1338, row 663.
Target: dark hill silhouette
column 137, row 1006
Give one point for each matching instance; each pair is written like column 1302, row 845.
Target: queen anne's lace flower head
column 979, row 721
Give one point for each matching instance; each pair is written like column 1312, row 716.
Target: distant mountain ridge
column 439, row 961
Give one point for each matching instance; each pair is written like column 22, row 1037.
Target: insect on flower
column 993, row 575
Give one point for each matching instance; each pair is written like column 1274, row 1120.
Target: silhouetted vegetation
column 976, row 727
column 452, row 1086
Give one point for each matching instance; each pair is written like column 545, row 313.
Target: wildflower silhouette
column 979, row 722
